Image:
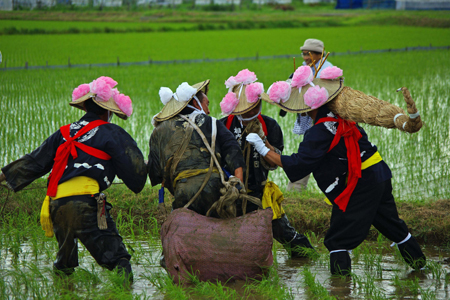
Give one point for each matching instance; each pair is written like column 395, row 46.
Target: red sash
column 69, row 147
column 350, row 133
column 260, row 118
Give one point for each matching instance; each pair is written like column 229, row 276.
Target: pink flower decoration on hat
column 230, row 82
column 108, row 80
column 101, row 87
column 229, row 103
column 80, row 91
column 315, row 97
column 331, row 73
column 280, row 91
column 253, row 90
column 124, row 103
column 245, row 76
column 302, row 76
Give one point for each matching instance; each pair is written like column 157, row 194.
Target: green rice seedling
column 437, row 271
column 270, row 287
column 57, row 49
column 315, row 289
column 427, row 294
column 367, row 285
column 406, row 287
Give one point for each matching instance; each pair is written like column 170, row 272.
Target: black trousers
column 75, row 218
column 368, row 205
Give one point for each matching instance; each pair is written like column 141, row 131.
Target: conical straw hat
column 108, row 105
column 244, row 105
column 174, row 107
column 296, row 103
column 108, row 85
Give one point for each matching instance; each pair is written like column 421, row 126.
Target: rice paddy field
column 34, row 104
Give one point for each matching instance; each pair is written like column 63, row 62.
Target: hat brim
column 244, row 106
column 296, row 103
column 174, row 107
column 108, row 105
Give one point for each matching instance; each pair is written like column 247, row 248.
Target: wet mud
column 378, row 273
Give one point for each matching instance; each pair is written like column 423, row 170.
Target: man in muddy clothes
column 179, row 159
column 84, row 157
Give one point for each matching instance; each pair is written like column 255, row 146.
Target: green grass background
column 35, row 103
column 131, row 47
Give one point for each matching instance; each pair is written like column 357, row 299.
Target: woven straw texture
column 356, row 106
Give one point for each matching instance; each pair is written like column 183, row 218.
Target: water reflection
column 391, row 279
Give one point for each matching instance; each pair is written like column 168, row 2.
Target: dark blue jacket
column 330, row 168
column 127, row 161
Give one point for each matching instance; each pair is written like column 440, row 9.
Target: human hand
column 258, row 143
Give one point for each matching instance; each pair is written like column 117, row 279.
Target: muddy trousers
column 75, row 218
column 292, row 241
column 369, row 205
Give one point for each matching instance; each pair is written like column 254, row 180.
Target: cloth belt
column 80, row 185
column 69, row 148
column 272, row 197
column 373, row 160
column 350, row 133
column 191, row 173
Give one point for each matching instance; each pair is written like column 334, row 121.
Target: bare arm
column 239, row 173
column 273, row 158
column 271, row 148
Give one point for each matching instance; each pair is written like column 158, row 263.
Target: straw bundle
column 356, row 106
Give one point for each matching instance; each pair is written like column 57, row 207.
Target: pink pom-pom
column 124, row 103
column 80, row 91
column 111, row 82
column 229, row 103
column 230, row 82
column 280, row 91
column 252, row 91
column 302, row 76
column 100, row 87
column 331, row 73
column 315, row 97
column 245, row 76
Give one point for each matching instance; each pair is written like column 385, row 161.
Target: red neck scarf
column 69, row 147
column 351, row 135
column 260, row 118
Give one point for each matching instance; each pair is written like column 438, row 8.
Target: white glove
column 258, row 143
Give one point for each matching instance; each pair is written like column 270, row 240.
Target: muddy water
column 383, row 275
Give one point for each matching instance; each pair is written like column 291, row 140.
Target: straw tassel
column 414, row 123
column 356, row 106
column 46, row 221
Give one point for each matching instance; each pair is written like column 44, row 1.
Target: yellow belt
column 80, row 185
column 192, row 173
column 373, row 160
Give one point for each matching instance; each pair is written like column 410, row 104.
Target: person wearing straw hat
column 84, row 157
column 242, row 105
column 179, row 159
column 312, row 53
column 346, row 165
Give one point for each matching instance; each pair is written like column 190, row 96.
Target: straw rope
column 356, row 106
